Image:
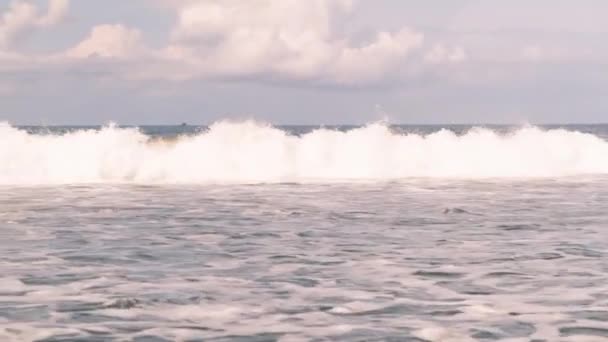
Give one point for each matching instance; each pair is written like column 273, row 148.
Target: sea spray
column 246, row 152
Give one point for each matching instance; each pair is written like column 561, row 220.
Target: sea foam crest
column 244, row 152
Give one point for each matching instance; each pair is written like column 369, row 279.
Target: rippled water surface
column 418, row 260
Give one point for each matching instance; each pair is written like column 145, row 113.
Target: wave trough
column 245, row 152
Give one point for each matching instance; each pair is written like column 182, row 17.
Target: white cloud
column 271, row 40
column 109, row 41
column 441, row 53
column 22, row 17
column 281, row 38
column 58, row 10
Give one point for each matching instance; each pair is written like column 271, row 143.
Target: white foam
column 244, row 152
column 441, row 334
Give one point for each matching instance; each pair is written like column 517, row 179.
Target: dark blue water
column 176, row 130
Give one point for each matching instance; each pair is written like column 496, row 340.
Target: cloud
column 441, row 54
column 109, row 41
column 290, row 39
column 58, row 10
column 287, row 41
column 22, row 17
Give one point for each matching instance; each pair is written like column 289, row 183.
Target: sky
column 303, row 61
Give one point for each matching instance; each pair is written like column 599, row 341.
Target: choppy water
column 416, row 260
column 195, row 234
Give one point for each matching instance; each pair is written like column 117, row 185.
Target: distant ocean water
column 247, row 232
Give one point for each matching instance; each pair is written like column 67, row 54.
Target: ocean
column 241, row 231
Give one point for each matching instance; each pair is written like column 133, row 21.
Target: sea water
column 248, row 232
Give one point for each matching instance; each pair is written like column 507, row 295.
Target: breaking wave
column 245, row 152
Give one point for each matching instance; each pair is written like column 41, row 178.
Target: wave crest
column 244, row 152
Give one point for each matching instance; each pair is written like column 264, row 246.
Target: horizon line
column 185, row 124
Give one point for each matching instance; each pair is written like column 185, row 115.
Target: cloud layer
column 109, row 41
column 303, row 61
column 303, row 42
column 286, row 38
column 273, row 40
column 23, row 17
